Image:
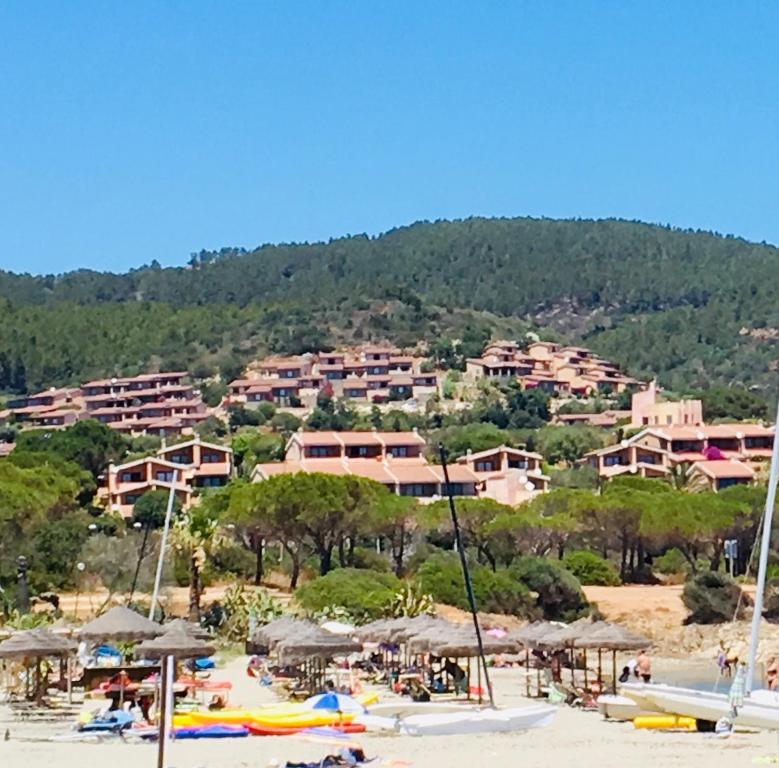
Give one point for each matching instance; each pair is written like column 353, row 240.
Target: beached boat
column 759, row 710
column 622, row 708
column 477, row 721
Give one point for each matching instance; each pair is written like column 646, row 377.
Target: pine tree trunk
column 194, row 590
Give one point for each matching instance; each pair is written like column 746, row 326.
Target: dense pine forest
column 693, row 308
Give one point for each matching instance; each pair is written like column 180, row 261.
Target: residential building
column 717, row 475
column 196, row 465
column 707, row 451
column 369, row 374
column 550, row 367
column 649, row 411
column 507, row 475
column 394, row 459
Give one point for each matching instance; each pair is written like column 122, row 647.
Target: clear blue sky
column 147, row 130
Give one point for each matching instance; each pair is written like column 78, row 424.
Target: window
column 131, row 477
column 398, row 451
column 289, row 374
column 210, row 458
column 131, row 498
column 484, row 466
column 613, row 461
column 518, row 463
column 418, row 489
column 646, row 458
column 281, row 392
column 179, row 458
column 211, row 482
column 166, row 476
column 321, row 451
column 726, row 482
column 456, row 489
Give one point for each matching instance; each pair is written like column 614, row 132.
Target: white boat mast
column 765, row 544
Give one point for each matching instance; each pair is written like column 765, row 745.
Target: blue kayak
column 212, row 732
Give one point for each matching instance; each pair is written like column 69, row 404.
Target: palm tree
column 196, row 534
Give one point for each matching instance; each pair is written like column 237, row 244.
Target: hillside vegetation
column 694, row 308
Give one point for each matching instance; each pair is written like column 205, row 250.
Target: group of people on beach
column 640, row 668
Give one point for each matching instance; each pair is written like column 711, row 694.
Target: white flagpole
column 765, row 544
column 163, row 544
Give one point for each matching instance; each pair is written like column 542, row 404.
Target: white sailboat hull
column 621, row 707
column 477, row 721
column 760, row 710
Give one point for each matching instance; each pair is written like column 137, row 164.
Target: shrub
column 560, row 596
column 712, row 598
column 368, row 559
column 670, row 562
column 364, row 594
column 441, row 576
column 591, row 569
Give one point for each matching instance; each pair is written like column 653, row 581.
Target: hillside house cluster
column 153, row 403
column 552, row 367
column 194, row 465
column 397, row 461
column 371, row 374
column 716, row 455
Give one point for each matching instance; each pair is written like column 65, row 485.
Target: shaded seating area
column 29, row 659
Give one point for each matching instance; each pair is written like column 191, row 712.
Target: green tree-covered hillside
column 695, row 308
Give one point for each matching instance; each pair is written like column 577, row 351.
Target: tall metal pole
column 466, row 573
column 765, row 544
column 163, row 544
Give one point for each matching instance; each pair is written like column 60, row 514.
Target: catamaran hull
column 479, row 721
column 761, row 710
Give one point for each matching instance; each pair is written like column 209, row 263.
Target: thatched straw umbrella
column 272, row 633
column 612, row 637
column 120, row 624
column 176, row 642
column 379, row 631
column 406, row 627
column 462, row 643
column 37, row 644
column 309, row 642
column 192, row 629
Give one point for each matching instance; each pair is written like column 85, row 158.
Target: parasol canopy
column 463, row 643
column 612, row 637
column 176, row 642
column 192, row 629
column 122, row 624
column 35, row 643
column 272, row 633
column 309, row 641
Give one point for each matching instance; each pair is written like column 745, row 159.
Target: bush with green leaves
column 713, row 598
column 364, row 594
column 591, row 569
column 559, row 593
column 496, row 592
column 369, row 559
column 670, row 562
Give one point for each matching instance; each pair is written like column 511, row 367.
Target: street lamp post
column 80, row 567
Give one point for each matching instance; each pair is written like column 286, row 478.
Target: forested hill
column 692, row 307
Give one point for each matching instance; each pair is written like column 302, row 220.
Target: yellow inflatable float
column 665, row 723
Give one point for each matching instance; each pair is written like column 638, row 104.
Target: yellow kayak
column 287, row 715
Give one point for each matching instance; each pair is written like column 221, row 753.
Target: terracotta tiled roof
column 727, row 468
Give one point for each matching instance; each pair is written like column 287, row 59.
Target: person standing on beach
column 723, row 660
column 644, row 666
column 772, row 674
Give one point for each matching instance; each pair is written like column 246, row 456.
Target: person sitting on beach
column 643, row 667
column 772, row 674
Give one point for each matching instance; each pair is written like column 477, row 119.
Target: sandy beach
column 583, row 739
